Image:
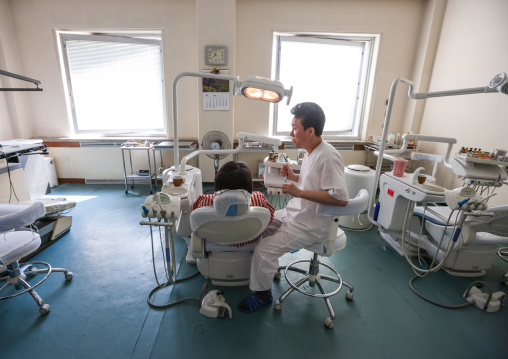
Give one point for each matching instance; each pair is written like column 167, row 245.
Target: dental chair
column 477, row 245
column 216, row 230
column 54, row 223
column 335, row 241
column 16, row 244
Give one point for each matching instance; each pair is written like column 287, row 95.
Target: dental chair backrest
column 231, row 220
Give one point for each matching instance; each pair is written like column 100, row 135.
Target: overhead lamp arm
column 499, row 83
column 23, row 78
column 265, row 84
column 242, row 137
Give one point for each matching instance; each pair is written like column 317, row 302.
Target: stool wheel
column 68, row 276
column 329, row 323
column 45, row 309
column 504, row 278
column 350, row 295
column 277, row 305
column 277, row 275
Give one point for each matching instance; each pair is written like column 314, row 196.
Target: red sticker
column 390, row 192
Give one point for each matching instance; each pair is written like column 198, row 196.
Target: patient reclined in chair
column 216, row 230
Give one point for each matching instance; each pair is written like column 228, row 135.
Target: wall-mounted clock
column 216, row 55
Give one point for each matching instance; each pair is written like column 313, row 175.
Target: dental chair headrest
column 231, row 202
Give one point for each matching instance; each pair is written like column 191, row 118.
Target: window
column 115, row 83
column 329, row 70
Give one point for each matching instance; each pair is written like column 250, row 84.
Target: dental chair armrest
column 354, row 206
column 197, row 246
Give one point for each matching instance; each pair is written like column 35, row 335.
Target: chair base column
column 314, row 278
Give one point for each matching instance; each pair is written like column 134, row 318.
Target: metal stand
column 133, row 176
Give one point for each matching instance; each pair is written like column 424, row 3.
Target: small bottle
column 411, row 142
column 391, row 138
column 398, row 139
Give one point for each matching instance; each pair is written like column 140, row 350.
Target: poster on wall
column 215, row 92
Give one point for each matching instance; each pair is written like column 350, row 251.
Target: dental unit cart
column 460, row 237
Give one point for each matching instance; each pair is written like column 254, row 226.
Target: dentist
column 321, row 181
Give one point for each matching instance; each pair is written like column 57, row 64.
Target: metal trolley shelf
column 151, row 178
column 387, row 165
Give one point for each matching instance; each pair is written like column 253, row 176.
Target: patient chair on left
column 16, row 244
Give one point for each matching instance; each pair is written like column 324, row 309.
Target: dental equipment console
column 273, row 179
column 171, row 210
column 458, row 246
column 173, row 205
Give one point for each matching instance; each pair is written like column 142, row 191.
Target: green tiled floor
column 103, row 312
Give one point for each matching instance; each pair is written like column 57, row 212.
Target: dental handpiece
column 287, row 170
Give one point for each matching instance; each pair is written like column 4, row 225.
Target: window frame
column 143, row 37
column 364, row 91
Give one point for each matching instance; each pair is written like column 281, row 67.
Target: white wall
column 34, row 23
column 14, row 109
column 245, row 26
column 398, row 22
column 472, row 49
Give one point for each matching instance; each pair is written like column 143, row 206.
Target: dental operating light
column 499, row 83
column 253, row 87
column 260, row 88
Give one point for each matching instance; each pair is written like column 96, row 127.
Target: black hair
column 234, row 175
column 310, row 114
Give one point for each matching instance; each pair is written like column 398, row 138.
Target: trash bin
column 357, row 177
column 51, row 170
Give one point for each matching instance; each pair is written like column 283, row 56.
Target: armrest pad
column 354, row 206
column 198, row 246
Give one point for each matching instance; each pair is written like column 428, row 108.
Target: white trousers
column 274, row 245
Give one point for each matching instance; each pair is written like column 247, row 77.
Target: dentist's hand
column 291, row 189
column 286, row 171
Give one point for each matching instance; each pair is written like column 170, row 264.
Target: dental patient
column 235, row 175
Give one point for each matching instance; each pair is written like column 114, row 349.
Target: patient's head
column 234, row 175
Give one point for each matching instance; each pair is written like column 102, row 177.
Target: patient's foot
column 262, row 295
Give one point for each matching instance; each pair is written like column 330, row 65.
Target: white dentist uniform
column 298, row 226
